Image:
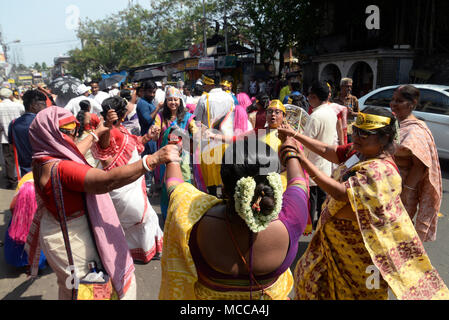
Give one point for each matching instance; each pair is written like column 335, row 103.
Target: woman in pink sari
column 417, row 159
column 59, row 166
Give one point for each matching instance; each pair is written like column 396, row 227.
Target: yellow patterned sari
column 344, row 256
column 179, row 275
column 213, row 155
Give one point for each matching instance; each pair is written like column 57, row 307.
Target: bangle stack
column 291, row 155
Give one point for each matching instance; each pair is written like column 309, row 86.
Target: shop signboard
column 24, row 78
column 191, row 64
column 179, row 67
column 227, row 62
column 206, row 63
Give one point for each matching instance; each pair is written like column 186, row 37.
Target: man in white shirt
column 98, row 95
column 9, row 111
column 74, row 105
column 322, row 126
column 160, row 94
column 114, row 90
column 213, row 105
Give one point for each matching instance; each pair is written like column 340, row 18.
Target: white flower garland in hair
column 244, row 194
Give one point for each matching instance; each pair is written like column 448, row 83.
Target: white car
column 433, row 110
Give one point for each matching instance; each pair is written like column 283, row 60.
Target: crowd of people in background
column 95, row 165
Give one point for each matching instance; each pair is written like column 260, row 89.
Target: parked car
column 433, row 110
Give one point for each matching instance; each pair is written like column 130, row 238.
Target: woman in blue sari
column 174, row 119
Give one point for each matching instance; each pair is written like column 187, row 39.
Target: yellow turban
column 226, row 83
column 277, row 105
column 69, row 123
column 371, row 122
column 208, row 81
column 69, row 126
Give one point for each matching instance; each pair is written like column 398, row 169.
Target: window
column 381, row 99
column 434, row 102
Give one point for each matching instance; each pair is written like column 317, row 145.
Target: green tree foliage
column 118, row 42
column 138, row 36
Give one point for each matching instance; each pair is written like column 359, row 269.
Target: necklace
column 248, row 266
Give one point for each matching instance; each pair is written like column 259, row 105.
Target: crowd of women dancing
column 240, row 243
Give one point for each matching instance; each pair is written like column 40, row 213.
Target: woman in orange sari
column 417, row 159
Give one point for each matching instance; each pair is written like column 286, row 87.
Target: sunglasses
column 364, row 134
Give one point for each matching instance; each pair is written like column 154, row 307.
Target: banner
column 227, row 62
column 191, row 64
column 206, row 63
column 197, row 50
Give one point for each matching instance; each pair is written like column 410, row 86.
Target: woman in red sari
column 59, row 163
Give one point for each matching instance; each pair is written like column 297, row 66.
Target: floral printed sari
column 342, row 255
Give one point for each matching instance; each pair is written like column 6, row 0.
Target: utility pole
column 205, row 29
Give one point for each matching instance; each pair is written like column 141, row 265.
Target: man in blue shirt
column 146, row 112
column 296, row 86
column 34, row 101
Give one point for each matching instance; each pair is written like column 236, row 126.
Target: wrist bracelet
column 288, row 147
column 94, row 135
column 145, row 165
column 292, row 157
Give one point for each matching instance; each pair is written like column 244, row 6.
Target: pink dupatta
column 48, row 141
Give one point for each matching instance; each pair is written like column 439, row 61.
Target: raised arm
column 323, row 150
column 332, row 187
column 100, row 182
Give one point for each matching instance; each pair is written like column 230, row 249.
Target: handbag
column 85, row 290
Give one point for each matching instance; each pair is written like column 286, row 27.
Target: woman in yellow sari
column 365, row 241
column 239, row 248
column 276, row 113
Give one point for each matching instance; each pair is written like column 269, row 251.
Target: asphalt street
column 15, row 284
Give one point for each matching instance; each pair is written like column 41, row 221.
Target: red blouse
column 72, row 177
column 345, row 152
